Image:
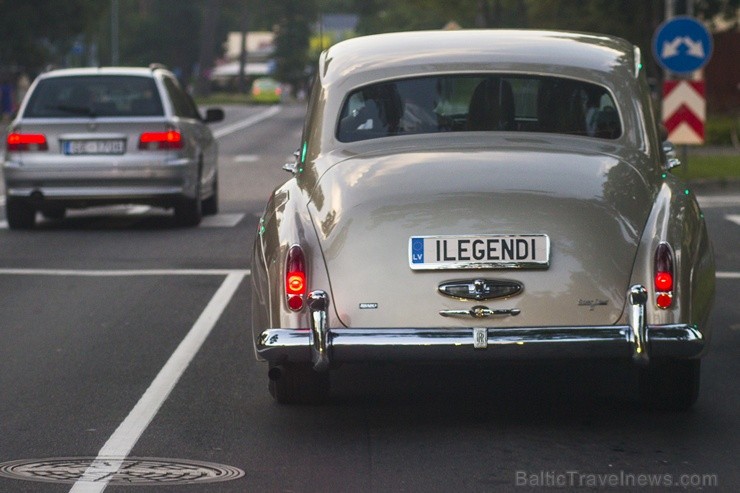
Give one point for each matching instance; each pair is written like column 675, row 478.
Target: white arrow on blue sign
column 682, row 45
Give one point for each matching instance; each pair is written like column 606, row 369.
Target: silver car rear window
column 465, row 102
column 98, row 96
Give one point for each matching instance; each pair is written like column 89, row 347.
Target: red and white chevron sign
column 684, row 111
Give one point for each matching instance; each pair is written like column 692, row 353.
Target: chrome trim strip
column 458, row 344
column 318, row 303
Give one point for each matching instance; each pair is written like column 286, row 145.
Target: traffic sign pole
column 682, row 46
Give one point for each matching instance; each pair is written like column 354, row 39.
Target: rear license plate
column 479, row 252
column 79, row 147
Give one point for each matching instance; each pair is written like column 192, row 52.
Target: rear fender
column 285, row 222
column 677, row 220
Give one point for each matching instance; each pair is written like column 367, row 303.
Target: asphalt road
column 122, row 335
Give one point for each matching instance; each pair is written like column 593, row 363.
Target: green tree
column 43, row 32
column 292, row 41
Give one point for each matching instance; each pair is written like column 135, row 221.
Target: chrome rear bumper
column 322, row 345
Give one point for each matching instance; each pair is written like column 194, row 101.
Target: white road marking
column 235, row 127
column 246, row 158
column 124, row 272
column 119, row 445
column 709, row 201
column 221, row 221
column 735, row 218
column 727, row 275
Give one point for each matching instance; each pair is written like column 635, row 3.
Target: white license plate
column 77, row 147
column 479, row 252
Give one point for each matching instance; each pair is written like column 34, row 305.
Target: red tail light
column 171, row 139
column 18, row 142
column 663, row 280
column 295, row 278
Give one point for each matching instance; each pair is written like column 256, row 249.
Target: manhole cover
column 130, row 471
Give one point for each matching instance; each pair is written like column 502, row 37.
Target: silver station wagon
column 99, row 136
column 482, row 196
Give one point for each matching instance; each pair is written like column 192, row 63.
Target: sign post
column 683, row 46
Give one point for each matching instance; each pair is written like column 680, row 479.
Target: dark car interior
column 453, row 103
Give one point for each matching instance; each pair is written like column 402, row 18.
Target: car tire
column 210, row 205
column 670, row 385
column 189, row 212
column 293, row 383
column 56, row 213
column 20, row 214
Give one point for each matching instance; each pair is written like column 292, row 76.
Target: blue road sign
column 682, row 45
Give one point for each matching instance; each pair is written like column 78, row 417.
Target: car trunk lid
column 591, row 208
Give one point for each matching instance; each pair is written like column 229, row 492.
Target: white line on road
column 124, row 272
column 727, row 275
column 119, row 445
column 234, row 127
column 246, row 158
column 221, row 220
column 735, row 218
column 708, row 201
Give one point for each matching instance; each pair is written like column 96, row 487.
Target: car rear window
column 97, row 95
column 466, row 102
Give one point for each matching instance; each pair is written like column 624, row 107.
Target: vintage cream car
column 476, row 196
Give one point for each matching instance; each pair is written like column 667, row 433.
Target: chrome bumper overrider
column 322, row 345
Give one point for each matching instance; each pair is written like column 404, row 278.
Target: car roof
column 72, row 72
column 482, row 50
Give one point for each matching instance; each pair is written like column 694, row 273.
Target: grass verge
column 723, row 168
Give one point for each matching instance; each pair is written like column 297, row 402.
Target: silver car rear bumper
column 91, row 182
column 323, row 345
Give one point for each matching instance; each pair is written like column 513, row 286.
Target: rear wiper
column 77, row 110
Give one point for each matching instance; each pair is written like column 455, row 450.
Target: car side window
column 487, row 102
column 183, row 104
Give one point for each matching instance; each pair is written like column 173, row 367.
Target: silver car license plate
column 109, row 146
column 479, row 252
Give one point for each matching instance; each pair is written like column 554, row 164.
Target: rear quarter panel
column 677, row 219
column 284, row 223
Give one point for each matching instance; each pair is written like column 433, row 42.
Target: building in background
column 260, row 48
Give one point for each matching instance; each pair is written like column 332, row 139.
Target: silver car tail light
column 20, row 142
column 169, row 140
column 663, row 280
column 295, row 278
